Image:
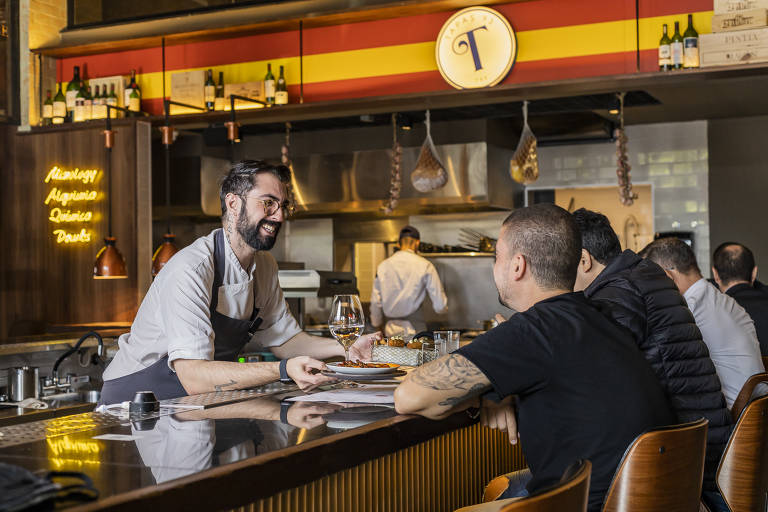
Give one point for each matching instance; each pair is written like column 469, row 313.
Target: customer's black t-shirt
column 585, row 391
column 755, row 302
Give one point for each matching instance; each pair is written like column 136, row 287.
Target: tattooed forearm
column 451, row 372
column 220, row 387
column 453, row 401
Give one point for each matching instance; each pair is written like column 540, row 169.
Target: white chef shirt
column 402, row 282
column 729, row 334
column 174, row 317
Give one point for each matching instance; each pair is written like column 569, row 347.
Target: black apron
column 230, row 336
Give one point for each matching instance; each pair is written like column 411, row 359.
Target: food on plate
column 415, row 344
column 396, row 341
column 360, row 364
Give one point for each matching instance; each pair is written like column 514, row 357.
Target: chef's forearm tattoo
column 452, row 372
column 453, row 401
column 220, row 387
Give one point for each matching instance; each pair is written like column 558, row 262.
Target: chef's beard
column 506, row 305
column 252, row 235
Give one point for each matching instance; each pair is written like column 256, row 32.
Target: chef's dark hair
column 597, row 235
column 672, row 254
column 241, row 179
column 733, row 262
column 409, row 232
column 547, row 236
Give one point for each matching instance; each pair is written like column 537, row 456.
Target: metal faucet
column 99, row 354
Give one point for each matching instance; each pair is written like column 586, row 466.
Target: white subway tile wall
column 673, row 157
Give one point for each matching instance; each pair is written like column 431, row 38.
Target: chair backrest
column 746, row 393
column 571, row 494
column 661, row 470
column 742, row 475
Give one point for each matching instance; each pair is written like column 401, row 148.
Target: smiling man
column 216, row 295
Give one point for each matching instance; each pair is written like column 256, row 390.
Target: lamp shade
column 110, row 264
column 163, row 253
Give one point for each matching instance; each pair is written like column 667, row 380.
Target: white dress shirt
column 729, row 334
column 402, row 282
column 174, row 317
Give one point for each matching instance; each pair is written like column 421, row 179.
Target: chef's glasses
column 271, row 206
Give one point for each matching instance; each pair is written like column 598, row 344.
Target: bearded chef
column 402, row 282
column 216, row 295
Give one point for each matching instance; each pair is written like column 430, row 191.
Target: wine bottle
column 269, row 86
column 79, row 113
column 88, row 104
column 690, row 45
column 134, row 101
column 47, row 109
column 59, row 107
column 129, row 90
column 281, row 94
column 210, row 91
column 72, row 89
column 98, row 108
column 219, row 103
column 112, row 100
column 677, row 48
column 665, row 50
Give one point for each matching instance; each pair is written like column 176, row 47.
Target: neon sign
column 60, row 197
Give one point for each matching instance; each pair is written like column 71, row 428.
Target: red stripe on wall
column 649, row 8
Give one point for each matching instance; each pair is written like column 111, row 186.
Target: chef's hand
column 309, row 414
column 499, row 318
column 363, row 347
column 305, row 372
column 500, row 416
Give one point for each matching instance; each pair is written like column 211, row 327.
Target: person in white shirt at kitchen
column 216, row 295
column 402, row 282
column 727, row 329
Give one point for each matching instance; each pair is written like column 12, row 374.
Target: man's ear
column 518, row 267
column 754, row 275
column 233, row 204
column 585, row 264
column 716, row 277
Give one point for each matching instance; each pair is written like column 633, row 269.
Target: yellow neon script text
column 58, row 215
column 65, row 237
column 85, row 175
column 75, row 196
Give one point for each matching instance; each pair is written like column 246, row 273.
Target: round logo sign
column 476, row 48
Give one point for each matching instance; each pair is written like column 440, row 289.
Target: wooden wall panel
column 47, row 283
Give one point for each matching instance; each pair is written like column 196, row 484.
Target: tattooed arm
column 437, row 389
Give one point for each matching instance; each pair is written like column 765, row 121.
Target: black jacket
column 638, row 295
column 755, row 302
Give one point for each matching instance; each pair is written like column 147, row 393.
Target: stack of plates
column 350, row 373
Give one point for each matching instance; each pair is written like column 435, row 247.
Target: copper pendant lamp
column 110, row 264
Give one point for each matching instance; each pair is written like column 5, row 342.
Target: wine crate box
column 730, row 6
column 253, row 90
column 188, row 87
column 741, row 20
column 737, row 47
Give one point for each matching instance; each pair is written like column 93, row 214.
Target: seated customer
column 734, row 270
column 638, row 295
column 584, row 390
column 727, row 329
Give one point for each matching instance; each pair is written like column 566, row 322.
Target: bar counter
column 360, row 457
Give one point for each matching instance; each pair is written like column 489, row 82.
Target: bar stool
column 742, row 475
column 746, row 394
column 569, row 495
column 661, row 470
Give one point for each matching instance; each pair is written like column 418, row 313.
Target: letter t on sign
column 472, row 43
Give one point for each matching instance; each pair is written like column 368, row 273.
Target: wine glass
column 347, row 321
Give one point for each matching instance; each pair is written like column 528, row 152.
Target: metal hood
column 358, row 182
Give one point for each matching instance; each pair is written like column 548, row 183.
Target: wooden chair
column 570, row 495
column 661, row 470
column 742, row 475
column 746, row 394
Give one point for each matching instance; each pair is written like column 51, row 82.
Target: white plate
column 362, row 371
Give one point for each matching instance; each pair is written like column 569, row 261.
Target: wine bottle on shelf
column 281, row 92
column 79, row 113
column 72, row 89
column 677, row 48
column 690, row 45
column 98, row 109
column 134, row 100
column 218, row 102
column 665, row 50
column 59, row 107
column 132, row 85
column 88, row 103
column 210, row 91
column 112, row 100
column 269, row 86
column 47, row 118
